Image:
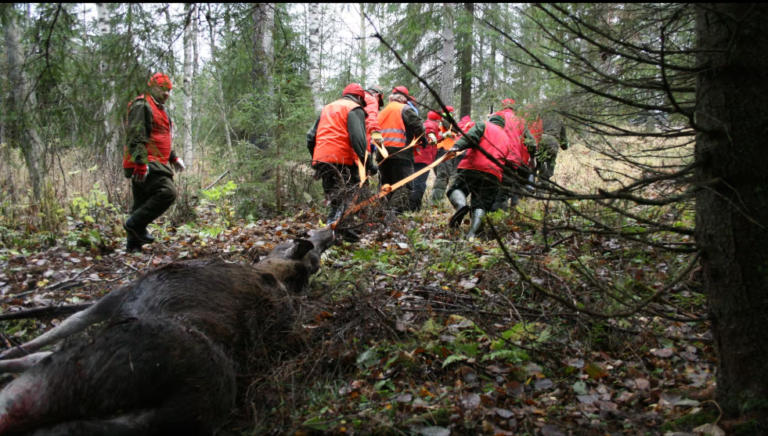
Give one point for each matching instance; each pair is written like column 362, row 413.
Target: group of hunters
column 360, row 130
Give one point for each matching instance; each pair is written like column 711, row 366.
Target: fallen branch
column 61, row 309
column 216, row 181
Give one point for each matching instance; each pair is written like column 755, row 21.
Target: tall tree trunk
column 105, row 29
column 186, row 127
column 263, row 22
column 217, row 73
column 465, row 61
column 314, row 55
column 169, row 58
column 24, row 102
column 449, row 49
column 732, row 215
column 363, row 54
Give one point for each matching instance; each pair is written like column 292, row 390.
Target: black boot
column 500, row 205
column 137, row 232
column 459, row 202
column 477, row 223
column 133, row 246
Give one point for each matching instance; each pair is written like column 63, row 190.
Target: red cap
column 432, row 115
column 402, row 90
column 507, row 103
column 354, row 89
column 160, row 79
column 450, row 108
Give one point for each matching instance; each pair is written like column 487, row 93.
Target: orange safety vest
column 332, row 139
column 445, row 143
column 392, row 126
column 159, row 144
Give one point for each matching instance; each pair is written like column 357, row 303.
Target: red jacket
column 372, row 115
column 427, row 155
column 514, row 127
column 496, row 143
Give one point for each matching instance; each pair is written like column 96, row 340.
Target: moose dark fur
column 167, row 359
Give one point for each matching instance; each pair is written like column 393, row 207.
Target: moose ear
column 299, row 249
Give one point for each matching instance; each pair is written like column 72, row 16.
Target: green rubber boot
column 459, row 202
column 477, row 223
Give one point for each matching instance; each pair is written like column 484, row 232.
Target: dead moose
column 166, row 362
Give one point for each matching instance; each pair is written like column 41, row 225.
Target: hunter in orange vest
column 149, row 160
column 446, row 171
column 337, row 142
column 400, row 125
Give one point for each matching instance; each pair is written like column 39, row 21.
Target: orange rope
column 387, row 189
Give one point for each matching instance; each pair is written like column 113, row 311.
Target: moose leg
column 23, row 363
column 101, row 311
column 126, row 425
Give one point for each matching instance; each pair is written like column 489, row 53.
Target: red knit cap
column 507, row 103
column 450, row 108
column 160, row 79
column 432, row 115
column 354, row 89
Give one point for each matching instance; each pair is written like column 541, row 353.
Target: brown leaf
column 642, row 383
column 596, row 371
column 470, row 401
column 515, row 389
column 664, row 352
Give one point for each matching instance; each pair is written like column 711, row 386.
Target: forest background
column 655, row 96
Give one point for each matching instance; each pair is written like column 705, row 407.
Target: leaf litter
column 418, row 331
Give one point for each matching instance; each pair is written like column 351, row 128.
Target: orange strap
column 386, row 189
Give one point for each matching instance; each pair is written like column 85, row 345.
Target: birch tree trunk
column 314, row 55
column 24, row 102
column 186, row 127
column 110, row 133
column 446, row 90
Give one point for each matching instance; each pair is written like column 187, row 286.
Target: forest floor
column 415, row 330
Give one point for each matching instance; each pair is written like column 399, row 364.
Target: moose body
column 166, row 363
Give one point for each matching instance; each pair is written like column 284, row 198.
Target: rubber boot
column 437, row 195
column 138, row 232
column 133, row 246
column 459, row 202
column 477, row 223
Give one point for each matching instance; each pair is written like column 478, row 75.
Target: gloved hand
column 449, row 134
column 454, row 149
column 140, row 173
column 373, row 169
column 431, row 138
column 377, row 138
column 178, row 165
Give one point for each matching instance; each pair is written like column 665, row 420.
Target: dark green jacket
column 140, row 123
column 356, row 129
